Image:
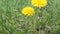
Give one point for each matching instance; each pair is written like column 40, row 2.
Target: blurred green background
column 45, row 21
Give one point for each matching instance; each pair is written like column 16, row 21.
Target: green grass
column 13, row 22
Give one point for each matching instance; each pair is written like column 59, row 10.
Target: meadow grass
column 45, row 21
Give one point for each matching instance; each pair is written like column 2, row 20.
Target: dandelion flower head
column 28, row 11
column 39, row 3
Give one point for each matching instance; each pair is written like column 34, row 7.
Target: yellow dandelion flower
column 39, row 3
column 28, row 11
